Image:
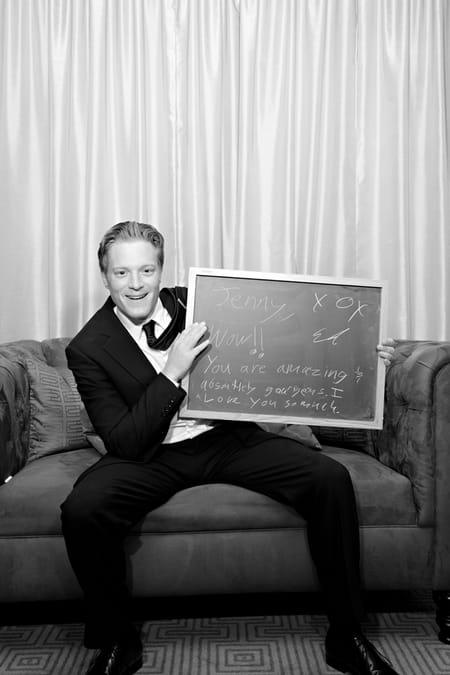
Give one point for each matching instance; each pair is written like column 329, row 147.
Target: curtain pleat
column 272, row 135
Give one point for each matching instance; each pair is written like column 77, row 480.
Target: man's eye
column 120, row 273
column 148, row 270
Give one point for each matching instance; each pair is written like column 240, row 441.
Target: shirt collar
column 159, row 316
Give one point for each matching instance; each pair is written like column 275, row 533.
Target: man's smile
column 137, row 297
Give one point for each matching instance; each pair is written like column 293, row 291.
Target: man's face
column 133, row 277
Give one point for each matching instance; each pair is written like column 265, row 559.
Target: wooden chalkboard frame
column 376, row 367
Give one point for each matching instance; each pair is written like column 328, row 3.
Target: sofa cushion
column 55, row 423
column 54, row 351
column 384, row 496
column 29, row 503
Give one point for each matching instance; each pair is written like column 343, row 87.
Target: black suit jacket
column 129, row 404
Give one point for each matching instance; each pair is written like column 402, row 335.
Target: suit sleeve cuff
column 174, row 382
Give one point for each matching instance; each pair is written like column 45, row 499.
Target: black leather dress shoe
column 122, row 658
column 356, row 655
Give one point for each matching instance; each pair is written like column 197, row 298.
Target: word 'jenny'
column 234, row 297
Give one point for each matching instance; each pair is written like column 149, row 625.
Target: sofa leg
column 442, row 600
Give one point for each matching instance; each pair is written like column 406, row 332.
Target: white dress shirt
column 180, row 429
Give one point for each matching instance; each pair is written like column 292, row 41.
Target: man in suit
column 128, row 362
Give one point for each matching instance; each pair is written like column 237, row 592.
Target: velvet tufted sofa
column 220, row 539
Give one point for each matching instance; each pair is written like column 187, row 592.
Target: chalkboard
column 286, row 348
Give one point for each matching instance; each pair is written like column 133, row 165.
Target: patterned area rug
column 254, row 645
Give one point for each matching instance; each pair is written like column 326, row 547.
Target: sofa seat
column 28, row 500
column 384, row 499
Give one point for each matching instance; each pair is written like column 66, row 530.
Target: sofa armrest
column 415, row 438
column 14, row 417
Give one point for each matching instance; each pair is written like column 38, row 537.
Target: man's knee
column 331, row 475
column 79, row 512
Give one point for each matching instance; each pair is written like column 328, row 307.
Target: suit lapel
column 122, row 348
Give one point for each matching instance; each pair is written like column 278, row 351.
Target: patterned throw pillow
column 55, row 423
column 97, row 443
column 299, row 432
column 363, row 440
column 91, row 436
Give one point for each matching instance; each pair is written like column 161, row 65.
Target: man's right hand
column 184, row 350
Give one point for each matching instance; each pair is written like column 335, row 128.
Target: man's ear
column 105, row 280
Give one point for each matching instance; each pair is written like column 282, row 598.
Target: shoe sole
column 342, row 667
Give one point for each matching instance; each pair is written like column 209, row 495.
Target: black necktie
column 149, row 329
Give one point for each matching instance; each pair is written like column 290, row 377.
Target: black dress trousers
column 114, row 494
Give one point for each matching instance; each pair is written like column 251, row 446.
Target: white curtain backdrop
column 296, row 136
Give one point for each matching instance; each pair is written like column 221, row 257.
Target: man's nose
column 135, row 280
